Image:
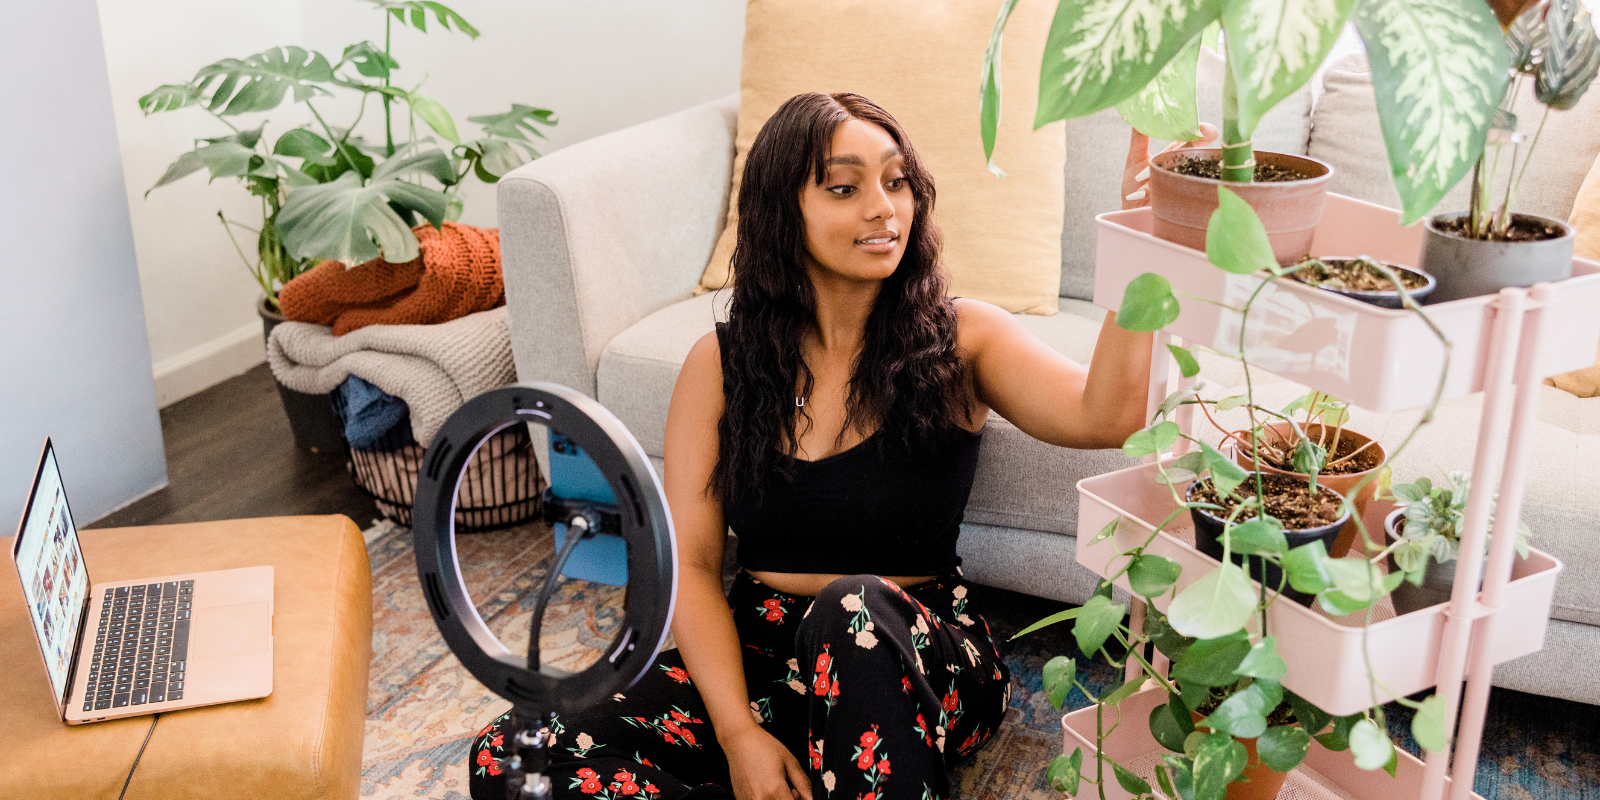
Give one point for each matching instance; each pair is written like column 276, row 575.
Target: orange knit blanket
column 457, row 273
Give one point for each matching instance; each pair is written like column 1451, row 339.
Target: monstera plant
column 1439, row 69
column 326, row 192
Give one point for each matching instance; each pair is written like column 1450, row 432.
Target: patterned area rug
column 423, row 708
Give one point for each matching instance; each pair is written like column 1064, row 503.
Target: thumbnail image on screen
column 53, row 576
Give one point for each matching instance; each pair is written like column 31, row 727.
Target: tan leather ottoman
column 302, row 741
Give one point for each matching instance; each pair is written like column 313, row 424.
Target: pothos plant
column 1225, row 668
column 326, row 192
column 1442, row 61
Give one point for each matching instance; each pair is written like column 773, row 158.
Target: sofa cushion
column 1346, row 134
column 927, row 83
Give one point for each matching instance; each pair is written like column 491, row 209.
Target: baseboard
column 200, row 368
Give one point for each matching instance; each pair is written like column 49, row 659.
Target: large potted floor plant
column 326, row 191
column 1488, row 247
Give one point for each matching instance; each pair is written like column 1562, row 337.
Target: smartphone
column 603, row 558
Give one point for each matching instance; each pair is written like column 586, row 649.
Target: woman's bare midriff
column 811, row 584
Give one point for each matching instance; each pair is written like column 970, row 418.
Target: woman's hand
column 761, row 767
column 1136, row 174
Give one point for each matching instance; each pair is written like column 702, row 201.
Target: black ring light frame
column 640, row 517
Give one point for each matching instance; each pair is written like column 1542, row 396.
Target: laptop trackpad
column 228, row 631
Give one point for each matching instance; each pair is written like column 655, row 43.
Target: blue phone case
column 574, row 476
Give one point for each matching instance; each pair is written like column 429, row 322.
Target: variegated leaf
column 989, row 90
column 1274, row 46
column 1571, row 55
column 1166, row 108
column 1525, row 40
column 1439, row 69
column 1101, row 52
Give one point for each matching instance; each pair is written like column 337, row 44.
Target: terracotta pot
column 1473, row 267
column 1259, row 782
column 1339, row 483
column 1290, row 210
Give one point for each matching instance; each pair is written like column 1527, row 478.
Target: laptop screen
column 54, row 579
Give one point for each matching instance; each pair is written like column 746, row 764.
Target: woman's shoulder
column 977, row 322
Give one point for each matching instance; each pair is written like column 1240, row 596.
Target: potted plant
column 1360, row 278
column 1427, row 523
column 326, row 192
column 1489, row 247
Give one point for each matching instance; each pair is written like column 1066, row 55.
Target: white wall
column 601, row 65
column 74, row 361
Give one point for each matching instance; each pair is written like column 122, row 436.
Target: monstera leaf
column 1571, row 55
column 1274, row 46
column 418, row 12
column 1166, row 108
column 169, row 97
column 1102, row 52
column 342, row 220
column 1439, row 69
column 259, row 82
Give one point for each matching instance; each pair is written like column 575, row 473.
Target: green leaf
column 1098, row 618
column 1125, row 691
column 1283, row 747
column 1147, row 304
column 1164, row 727
column 1225, row 475
column 1257, row 536
column 1244, row 714
column 1152, row 575
column 1166, row 107
column 259, row 82
column 1187, row 366
column 1152, row 440
column 341, row 220
column 1128, row 781
column 434, row 113
column 1263, row 661
column 1106, row 532
column 226, row 159
column 1356, row 585
column 1571, row 55
column 1429, row 726
column 1059, row 616
column 1100, row 53
column 301, row 143
column 1232, row 402
column 1212, row 662
column 1311, row 718
column 1221, row 760
column 1059, row 673
column 496, row 158
column 1274, row 47
column 370, row 60
column 1182, row 776
column 1439, row 69
column 187, row 164
column 1216, row 605
column 169, row 97
column 1065, row 771
column 419, row 14
column 1235, row 239
column 1370, row 746
column 990, row 91
column 1171, row 643
column 1307, row 568
column 1339, row 738
column 1308, row 457
column 516, row 124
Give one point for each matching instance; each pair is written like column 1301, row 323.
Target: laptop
column 124, row 648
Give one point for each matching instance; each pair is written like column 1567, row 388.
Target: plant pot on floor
column 1181, row 204
column 1438, row 580
column 312, row 420
column 1473, row 267
column 1208, row 528
column 1371, row 456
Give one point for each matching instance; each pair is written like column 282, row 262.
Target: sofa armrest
column 596, row 236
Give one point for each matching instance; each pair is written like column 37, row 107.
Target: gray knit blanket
column 434, row 368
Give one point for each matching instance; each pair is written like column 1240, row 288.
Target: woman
column 834, row 423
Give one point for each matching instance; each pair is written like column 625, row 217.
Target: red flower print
column 816, row 757
column 641, row 719
column 883, row 766
column 865, row 761
column 486, row 729
column 494, row 768
column 651, row 788
column 823, row 661
column 667, row 737
column 673, row 726
column 871, row 796
column 484, row 758
column 905, row 684
column 495, row 742
column 869, row 739
column 833, row 691
column 586, row 773
column 677, row 715
column 622, row 775
column 646, row 762
column 590, row 786
column 969, row 743
column 950, row 702
column 821, row 684
column 629, row 787
column 688, row 736
column 678, row 674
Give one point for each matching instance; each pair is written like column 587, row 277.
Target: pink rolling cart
column 1384, row 360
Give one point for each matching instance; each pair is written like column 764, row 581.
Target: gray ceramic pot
column 1471, row 267
column 1437, row 582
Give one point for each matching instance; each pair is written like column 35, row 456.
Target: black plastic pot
column 312, row 420
column 1208, row 539
column 1438, row 581
column 1384, row 299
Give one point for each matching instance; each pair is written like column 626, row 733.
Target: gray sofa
column 604, row 241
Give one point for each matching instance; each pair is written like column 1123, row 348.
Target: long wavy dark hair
column 908, row 382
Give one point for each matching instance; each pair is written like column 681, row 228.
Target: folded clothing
column 456, row 274
column 368, row 413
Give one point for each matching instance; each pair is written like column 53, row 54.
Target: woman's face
column 857, row 220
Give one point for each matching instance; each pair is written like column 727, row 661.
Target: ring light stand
column 639, row 516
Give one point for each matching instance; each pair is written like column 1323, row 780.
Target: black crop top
column 873, row 509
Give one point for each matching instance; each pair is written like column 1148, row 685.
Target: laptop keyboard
column 141, row 646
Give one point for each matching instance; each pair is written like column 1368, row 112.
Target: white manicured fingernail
column 1143, row 174
column 1139, row 195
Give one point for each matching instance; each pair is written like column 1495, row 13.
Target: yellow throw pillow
column 1586, row 219
column 921, row 61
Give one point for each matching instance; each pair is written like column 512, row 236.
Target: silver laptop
column 123, row 648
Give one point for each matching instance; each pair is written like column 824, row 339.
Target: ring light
column 639, row 516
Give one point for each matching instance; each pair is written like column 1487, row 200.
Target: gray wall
column 74, row 357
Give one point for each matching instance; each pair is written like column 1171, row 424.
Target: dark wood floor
column 230, row 455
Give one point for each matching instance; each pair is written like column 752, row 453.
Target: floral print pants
column 875, row 689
